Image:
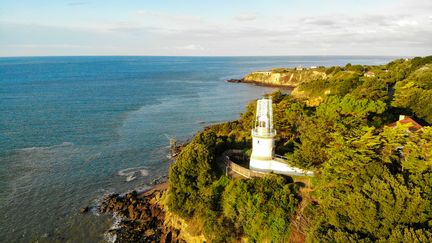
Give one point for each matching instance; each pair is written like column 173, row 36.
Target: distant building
column 414, row 126
column 313, row 67
column 369, row 74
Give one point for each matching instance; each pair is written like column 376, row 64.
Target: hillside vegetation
column 372, row 182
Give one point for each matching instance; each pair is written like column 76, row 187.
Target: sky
column 215, row 28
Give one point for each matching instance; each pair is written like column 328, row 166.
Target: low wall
column 238, row 168
column 278, row 165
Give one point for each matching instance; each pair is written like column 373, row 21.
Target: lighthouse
column 263, row 136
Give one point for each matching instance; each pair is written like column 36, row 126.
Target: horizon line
column 306, row 55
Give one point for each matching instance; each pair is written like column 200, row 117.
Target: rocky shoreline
column 139, row 216
column 142, row 216
column 258, row 83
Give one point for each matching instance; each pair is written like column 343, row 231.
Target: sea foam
column 131, row 173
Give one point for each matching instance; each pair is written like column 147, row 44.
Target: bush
column 261, row 207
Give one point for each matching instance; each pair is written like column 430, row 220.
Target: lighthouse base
column 276, row 166
column 260, row 164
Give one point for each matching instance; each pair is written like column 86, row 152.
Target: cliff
column 145, row 218
column 293, row 78
column 284, row 77
column 312, row 85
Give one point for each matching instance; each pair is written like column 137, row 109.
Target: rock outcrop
column 143, row 218
column 288, row 78
column 284, row 77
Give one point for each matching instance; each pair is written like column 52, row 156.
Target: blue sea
column 73, row 129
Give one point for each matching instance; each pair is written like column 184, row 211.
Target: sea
column 74, row 129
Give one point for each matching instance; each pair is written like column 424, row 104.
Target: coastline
column 43, row 221
column 144, row 217
column 138, row 216
column 141, row 216
column 162, row 186
column 261, row 84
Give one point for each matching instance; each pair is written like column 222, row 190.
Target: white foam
column 131, row 173
column 144, row 172
column 117, row 220
column 130, row 178
column 64, row 144
column 110, row 235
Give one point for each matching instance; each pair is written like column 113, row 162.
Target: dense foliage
column 259, row 208
column 415, row 92
column 372, row 182
column 368, row 191
column 192, row 175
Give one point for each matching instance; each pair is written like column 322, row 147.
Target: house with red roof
column 413, row 125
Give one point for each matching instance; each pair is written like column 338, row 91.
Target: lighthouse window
column 258, row 141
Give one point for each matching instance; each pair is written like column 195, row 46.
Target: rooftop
column 407, row 120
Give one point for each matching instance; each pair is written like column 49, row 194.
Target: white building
column 263, row 158
column 263, row 136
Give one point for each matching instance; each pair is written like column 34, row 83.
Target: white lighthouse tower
column 263, row 136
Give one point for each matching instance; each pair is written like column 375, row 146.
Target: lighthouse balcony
column 263, row 132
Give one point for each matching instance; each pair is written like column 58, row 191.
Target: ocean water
column 73, row 129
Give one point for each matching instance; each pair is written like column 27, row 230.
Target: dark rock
column 144, row 219
column 84, row 209
column 235, row 80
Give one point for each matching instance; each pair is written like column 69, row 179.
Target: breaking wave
column 132, row 173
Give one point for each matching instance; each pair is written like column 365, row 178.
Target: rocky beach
column 141, row 216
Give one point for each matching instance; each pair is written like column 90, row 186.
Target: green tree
column 191, row 176
column 415, row 93
column 261, row 207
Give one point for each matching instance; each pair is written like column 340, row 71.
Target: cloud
column 386, row 29
column 54, row 45
column 246, row 17
column 318, row 21
column 406, row 22
column 191, row 47
column 169, row 16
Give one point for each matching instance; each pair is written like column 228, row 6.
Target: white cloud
column 393, row 29
column 191, row 47
column 407, row 22
column 166, row 16
column 246, row 17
